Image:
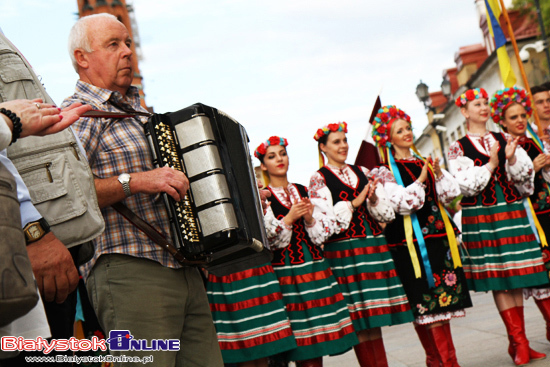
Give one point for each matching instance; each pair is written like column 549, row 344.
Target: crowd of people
column 356, row 250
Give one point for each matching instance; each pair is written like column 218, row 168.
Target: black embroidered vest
column 540, row 198
column 429, row 216
column 488, row 195
column 342, row 192
column 300, row 238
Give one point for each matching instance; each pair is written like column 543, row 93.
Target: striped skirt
column 365, row 271
column 317, row 311
column 249, row 314
column 502, row 250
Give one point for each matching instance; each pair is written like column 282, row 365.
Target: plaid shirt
column 115, row 146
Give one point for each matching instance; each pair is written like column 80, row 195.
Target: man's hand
column 164, row 179
column 264, row 194
column 53, row 268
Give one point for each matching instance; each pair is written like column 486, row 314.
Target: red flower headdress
column 470, row 95
column 382, row 124
column 504, row 98
column 274, row 140
column 327, row 129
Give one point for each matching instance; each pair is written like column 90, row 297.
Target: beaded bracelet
column 17, row 126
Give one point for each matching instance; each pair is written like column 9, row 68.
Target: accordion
column 220, row 220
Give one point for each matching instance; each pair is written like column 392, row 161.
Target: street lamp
column 538, row 46
column 424, row 97
column 446, row 88
column 440, row 128
column 422, row 93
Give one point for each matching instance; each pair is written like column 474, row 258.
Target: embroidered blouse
column 407, row 200
column 473, row 179
column 339, row 215
column 279, row 234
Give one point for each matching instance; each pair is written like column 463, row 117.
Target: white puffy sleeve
column 447, row 188
column 382, row 210
column 336, row 217
column 320, row 230
column 278, row 233
column 403, row 200
column 471, row 179
column 522, row 172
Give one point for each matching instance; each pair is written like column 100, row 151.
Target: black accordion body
column 220, row 220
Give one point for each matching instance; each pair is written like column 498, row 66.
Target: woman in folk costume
column 503, row 255
column 353, row 201
column 422, row 239
column 249, row 316
column 511, row 108
column 318, row 314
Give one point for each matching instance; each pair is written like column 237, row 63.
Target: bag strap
column 155, row 236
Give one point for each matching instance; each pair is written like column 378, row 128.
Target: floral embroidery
column 444, row 299
column 543, row 201
column 421, row 309
column 450, row 278
column 316, row 183
column 448, row 290
column 437, row 280
column 384, row 175
column 455, row 151
column 425, row 230
column 439, row 225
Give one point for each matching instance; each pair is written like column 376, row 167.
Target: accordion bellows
column 220, row 220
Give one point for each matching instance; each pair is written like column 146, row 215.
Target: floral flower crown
column 382, row 124
column 274, row 140
column 504, row 98
column 470, row 95
column 325, row 130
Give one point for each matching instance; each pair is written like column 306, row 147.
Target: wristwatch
column 36, row 230
column 124, row 179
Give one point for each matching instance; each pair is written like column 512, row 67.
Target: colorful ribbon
column 411, row 224
column 451, row 237
column 533, row 220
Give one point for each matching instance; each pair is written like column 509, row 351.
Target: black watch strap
column 36, row 230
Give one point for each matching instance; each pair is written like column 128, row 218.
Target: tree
column 528, row 7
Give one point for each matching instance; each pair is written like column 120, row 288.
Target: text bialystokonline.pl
column 89, row 359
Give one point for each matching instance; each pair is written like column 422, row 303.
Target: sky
column 281, row 68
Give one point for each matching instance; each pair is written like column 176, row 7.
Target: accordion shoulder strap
column 153, row 234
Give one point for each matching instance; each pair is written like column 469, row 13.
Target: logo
column 123, row 340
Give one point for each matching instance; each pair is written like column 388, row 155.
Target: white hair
column 78, row 37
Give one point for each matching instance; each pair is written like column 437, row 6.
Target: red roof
column 438, row 100
column 451, row 75
column 470, row 54
column 524, row 25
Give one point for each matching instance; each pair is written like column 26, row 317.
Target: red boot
column 432, row 357
column 315, row 362
column 365, row 354
column 544, row 307
column 452, row 350
column 533, row 354
column 516, row 333
column 379, row 352
column 442, row 345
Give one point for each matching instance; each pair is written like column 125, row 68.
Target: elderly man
column 133, row 284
